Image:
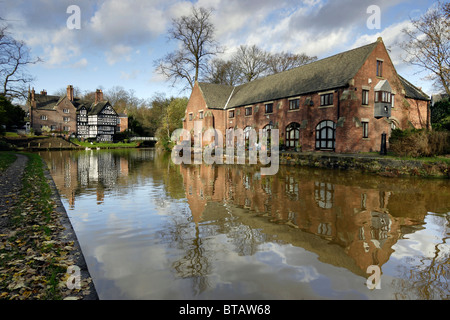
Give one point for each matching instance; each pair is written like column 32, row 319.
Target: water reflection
column 347, row 220
column 361, row 216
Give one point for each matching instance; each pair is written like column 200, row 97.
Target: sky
column 117, row 42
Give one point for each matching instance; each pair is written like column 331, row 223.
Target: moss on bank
column 381, row 165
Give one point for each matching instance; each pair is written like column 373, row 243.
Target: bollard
column 383, row 150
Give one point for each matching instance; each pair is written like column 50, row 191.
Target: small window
column 200, row 115
column 43, row 117
column 269, row 107
column 365, row 97
column 66, row 119
column 379, row 68
column 66, row 110
column 248, row 111
column 326, row 99
column 191, row 116
column 231, row 114
column 294, row 104
column 365, row 126
column 392, row 100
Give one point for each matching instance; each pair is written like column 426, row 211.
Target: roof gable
column 98, row 108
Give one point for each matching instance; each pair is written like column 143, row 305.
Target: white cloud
column 129, row 75
column 82, row 63
column 118, row 53
column 127, row 22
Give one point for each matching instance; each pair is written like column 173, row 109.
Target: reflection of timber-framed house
column 70, row 115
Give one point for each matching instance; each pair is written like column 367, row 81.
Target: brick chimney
column 44, row 92
column 98, row 96
column 33, row 99
column 70, row 92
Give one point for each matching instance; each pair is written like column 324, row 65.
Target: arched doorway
column 326, row 135
column 292, row 135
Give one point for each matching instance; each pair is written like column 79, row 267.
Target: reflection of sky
column 142, row 244
column 424, row 250
column 423, row 243
column 128, row 259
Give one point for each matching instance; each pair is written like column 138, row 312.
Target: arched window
column 268, row 128
column 247, row 131
column 267, row 131
column 326, row 135
column 292, row 135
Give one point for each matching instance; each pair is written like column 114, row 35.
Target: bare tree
column 220, row 71
column 252, row 62
column 15, row 56
column 283, row 61
column 428, row 44
column 196, row 35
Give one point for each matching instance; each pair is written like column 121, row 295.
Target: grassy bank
column 33, row 257
column 6, row 159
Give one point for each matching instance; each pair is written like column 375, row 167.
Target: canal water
column 150, row 229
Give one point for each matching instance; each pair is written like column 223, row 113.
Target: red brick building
column 342, row 103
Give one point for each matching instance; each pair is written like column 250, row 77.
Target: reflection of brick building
column 342, row 103
column 355, row 217
column 70, row 115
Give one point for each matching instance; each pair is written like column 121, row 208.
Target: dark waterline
column 150, row 229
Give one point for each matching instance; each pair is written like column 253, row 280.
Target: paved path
column 10, row 186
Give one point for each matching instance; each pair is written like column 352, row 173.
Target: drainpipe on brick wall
column 338, row 105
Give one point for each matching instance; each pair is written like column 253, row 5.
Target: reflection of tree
column 194, row 264
column 429, row 280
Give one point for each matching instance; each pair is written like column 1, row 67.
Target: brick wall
column 347, row 111
column 55, row 119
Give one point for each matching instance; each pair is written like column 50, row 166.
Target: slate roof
column 49, row 102
column 413, row 92
column 46, row 102
column 325, row 74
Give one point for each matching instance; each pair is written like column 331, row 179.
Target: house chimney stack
column 70, row 92
column 98, row 96
column 33, row 99
column 44, row 92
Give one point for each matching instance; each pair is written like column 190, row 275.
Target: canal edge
column 70, row 234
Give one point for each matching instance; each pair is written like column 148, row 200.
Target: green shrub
column 419, row 142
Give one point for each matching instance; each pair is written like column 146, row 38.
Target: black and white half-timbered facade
column 97, row 121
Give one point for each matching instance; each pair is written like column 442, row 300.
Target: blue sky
column 119, row 40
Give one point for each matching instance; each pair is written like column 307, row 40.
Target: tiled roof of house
column 96, row 108
column 325, row 74
column 49, row 102
column 46, row 102
column 411, row 91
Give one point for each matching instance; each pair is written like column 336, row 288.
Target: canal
column 150, row 229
